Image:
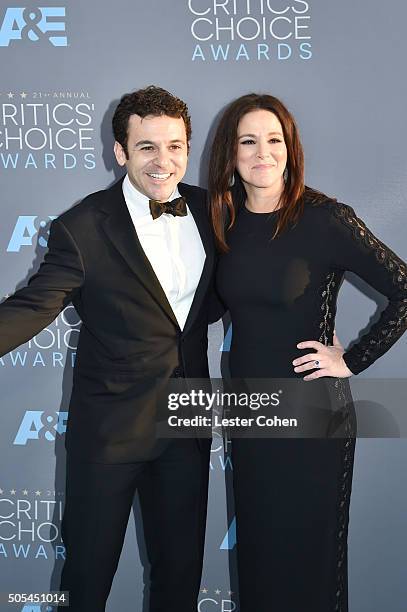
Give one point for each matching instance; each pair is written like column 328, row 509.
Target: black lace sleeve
column 357, row 249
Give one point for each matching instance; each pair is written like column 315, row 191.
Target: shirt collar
column 137, row 201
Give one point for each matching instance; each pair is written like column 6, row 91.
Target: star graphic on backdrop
column 23, row 94
column 217, row 592
column 25, row 492
column 13, row 491
column 204, row 590
column 1, row 491
column 10, row 94
column 38, row 493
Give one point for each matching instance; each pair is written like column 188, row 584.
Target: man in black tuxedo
column 136, row 260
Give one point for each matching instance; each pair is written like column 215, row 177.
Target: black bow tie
column 177, row 208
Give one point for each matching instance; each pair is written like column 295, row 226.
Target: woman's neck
column 263, row 200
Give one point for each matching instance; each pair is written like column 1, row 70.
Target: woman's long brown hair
column 225, row 201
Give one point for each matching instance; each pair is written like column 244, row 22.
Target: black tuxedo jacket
column 130, row 342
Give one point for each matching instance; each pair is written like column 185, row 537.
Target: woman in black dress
column 284, row 249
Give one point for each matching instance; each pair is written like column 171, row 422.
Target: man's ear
column 119, row 154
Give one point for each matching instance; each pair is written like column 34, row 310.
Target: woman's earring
column 232, row 180
column 285, row 174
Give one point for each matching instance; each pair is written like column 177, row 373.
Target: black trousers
column 173, row 491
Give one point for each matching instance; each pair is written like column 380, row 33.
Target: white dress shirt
column 172, row 245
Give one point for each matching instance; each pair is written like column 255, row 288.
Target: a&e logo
column 24, row 232
column 34, row 24
column 35, row 608
column 38, row 425
column 229, row 541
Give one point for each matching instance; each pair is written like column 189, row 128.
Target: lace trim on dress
column 370, row 347
column 345, row 485
column 328, row 294
column 328, row 301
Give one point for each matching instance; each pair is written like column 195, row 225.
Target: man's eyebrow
column 143, row 142
column 150, row 142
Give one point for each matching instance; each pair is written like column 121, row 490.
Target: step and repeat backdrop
column 340, row 68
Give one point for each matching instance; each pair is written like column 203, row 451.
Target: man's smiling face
column 157, row 154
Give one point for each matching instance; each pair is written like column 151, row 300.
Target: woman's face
column 261, row 151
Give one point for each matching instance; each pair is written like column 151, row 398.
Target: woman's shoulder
column 321, row 205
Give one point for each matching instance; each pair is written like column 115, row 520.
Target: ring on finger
column 317, row 363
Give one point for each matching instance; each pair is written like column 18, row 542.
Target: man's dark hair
column 153, row 101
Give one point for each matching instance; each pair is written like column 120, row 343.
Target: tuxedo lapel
column 119, row 230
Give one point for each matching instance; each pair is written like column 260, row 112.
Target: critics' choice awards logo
column 250, row 30
column 39, row 425
column 212, row 600
column 53, row 347
column 30, row 524
column 41, row 131
column 34, row 24
column 219, row 459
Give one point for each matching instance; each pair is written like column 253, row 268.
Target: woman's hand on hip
column 325, row 361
